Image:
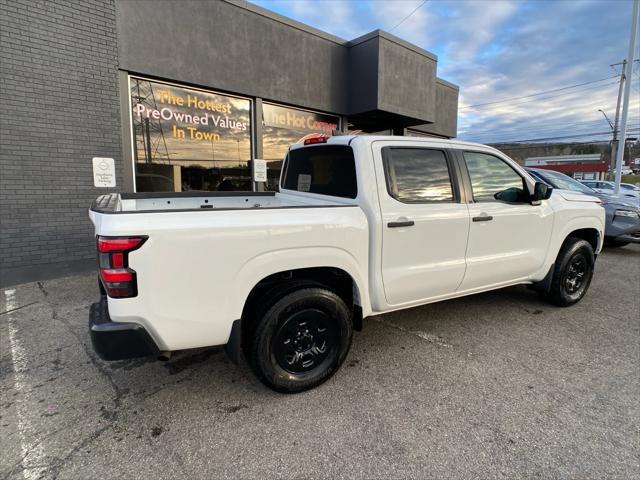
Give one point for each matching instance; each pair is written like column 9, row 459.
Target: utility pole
column 616, row 121
column 627, row 92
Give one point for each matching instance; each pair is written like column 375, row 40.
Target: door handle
column 403, row 223
column 483, row 218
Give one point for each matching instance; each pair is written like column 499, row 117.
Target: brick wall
column 59, row 108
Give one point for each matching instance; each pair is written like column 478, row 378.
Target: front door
column 425, row 224
column 508, row 236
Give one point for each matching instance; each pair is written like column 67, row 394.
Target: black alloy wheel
column 573, row 272
column 304, row 341
column 301, row 340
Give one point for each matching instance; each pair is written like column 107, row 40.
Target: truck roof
column 367, row 139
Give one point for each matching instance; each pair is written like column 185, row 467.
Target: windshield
column 564, row 182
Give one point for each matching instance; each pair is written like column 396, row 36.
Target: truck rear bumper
column 117, row 340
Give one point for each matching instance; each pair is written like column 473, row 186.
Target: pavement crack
column 57, row 467
column 109, row 415
column 436, row 340
column 104, row 371
column 18, row 308
column 42, row 289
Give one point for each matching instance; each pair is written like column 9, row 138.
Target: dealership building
column 177, row 96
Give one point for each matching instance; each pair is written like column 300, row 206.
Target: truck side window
column 492, row 179
column 417, row 175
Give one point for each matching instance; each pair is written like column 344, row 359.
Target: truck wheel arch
column 313, row 262
column 590, row 234
column 587, row 228
column 276, row 285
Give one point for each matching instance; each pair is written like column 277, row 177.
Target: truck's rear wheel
column 573, row 272
column 301, row 340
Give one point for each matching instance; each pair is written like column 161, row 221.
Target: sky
column 498, row 50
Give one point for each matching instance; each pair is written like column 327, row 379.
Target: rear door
column 508, row 235
column 425, row 222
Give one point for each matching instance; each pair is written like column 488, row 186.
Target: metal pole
column 147, row 136
column 627, row 92
column 616, row 122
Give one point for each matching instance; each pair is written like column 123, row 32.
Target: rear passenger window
column 417, row 175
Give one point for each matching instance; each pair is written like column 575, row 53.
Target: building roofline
column 246, row 5
column 394, row 39
column 442, row 81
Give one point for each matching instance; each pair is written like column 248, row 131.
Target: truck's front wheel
column 572, row 273
column 301, row 340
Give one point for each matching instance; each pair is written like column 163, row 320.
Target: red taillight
column 118, row 279
column 313, row 140
column 116, row 275
column 117, row 260
column 119, row 244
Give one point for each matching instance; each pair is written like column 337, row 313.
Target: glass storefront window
column 187, row 139
column 283, row 126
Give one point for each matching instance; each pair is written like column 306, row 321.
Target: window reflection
column 284, row 126
column 418, row 175
column 186, row 139
column 490, row 176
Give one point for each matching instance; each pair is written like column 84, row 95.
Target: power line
column 561, row 131
column 515, row 146
column 535, row 126
column 529, row 130
column 517, row 138
column 414, row 11
column 540, row 93
column 509, row 104
column 598, row 103
column 591, row 134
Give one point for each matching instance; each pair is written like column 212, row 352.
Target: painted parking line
column 32, row 452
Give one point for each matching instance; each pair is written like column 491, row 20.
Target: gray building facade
column 182, row 95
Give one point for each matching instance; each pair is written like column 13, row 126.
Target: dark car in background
column 622, row 216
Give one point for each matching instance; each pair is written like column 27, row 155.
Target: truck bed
column 194, row 201
column 198, row 264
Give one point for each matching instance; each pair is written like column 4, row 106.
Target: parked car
column 361, row 226
column 630, row 186
column 609, row 187
column 622, row 216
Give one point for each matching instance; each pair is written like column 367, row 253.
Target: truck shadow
column 443, row 324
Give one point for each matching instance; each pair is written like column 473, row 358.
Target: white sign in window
column 104, row 172
column 259, row 170
column 304, row 182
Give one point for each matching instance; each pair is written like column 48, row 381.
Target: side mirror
column 541, row 191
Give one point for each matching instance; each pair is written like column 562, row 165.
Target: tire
column 572, row 273
column 301, row 340
column 263, row 303
column 613, row 243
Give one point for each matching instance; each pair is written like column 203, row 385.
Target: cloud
column 477, row 26
column 501, row 49
column 416, row 28
column 337, row 17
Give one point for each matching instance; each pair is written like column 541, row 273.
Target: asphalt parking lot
column 498, row 385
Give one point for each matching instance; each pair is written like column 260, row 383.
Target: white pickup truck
column 361, row 226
